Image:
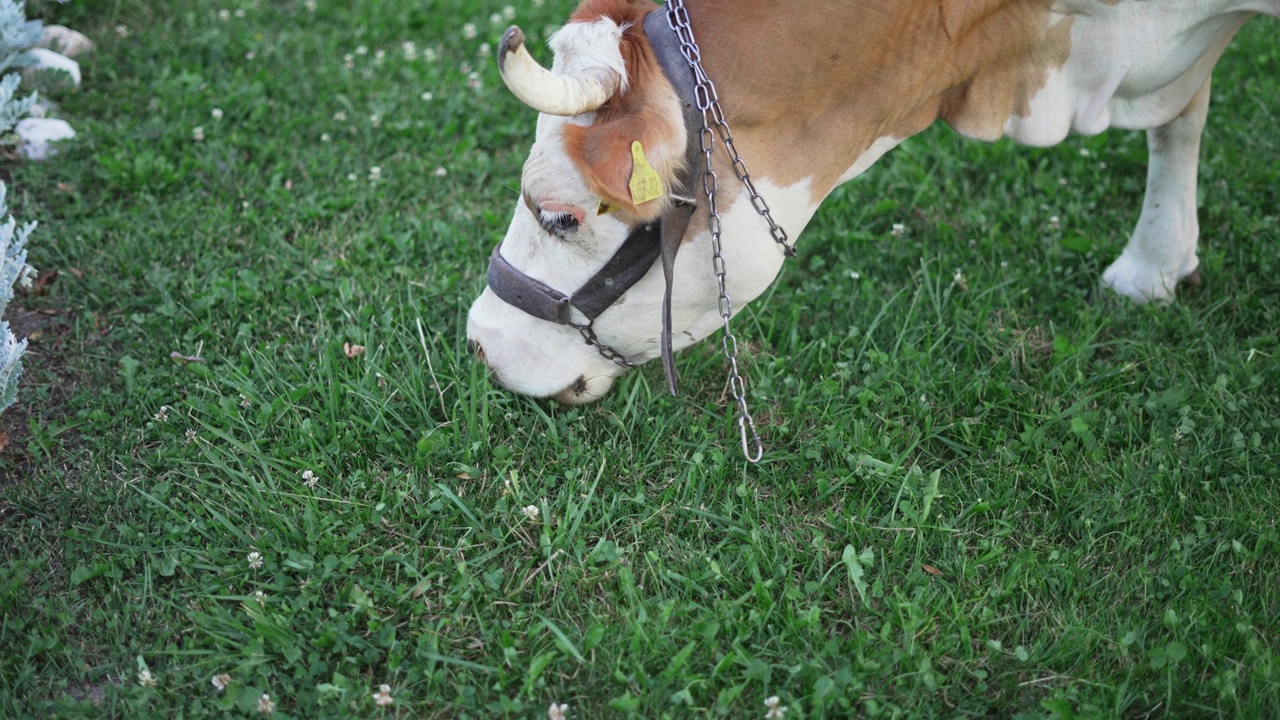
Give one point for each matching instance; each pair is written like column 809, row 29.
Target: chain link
column 589, row 335
column 708, row 103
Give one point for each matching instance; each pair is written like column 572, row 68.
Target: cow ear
column 636, row 140
column 629, row 162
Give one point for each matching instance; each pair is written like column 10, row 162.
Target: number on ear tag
column 645, row 184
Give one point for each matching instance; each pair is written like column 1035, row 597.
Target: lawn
column 989, row 488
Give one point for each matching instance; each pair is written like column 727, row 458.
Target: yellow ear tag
column 645, row 184
column 604, row 208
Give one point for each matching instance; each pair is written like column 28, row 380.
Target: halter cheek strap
column 619, row 274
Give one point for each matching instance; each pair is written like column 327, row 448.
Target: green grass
column 1011, row 496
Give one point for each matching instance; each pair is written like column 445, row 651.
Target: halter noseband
column 629, row 264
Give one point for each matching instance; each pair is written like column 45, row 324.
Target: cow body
column 815, row 93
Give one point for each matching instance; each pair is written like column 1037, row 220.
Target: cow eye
column 557, row 223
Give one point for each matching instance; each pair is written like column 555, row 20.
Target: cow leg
column 1162, row 249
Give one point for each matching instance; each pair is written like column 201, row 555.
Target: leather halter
column 624, row 269
column 660, row 239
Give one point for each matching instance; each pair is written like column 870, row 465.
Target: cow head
column 604, row 104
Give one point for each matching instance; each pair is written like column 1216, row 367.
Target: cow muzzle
column 584, row 390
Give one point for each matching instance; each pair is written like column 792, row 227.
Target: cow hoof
column 1143, row 284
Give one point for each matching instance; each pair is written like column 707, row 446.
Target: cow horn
column 545, row 91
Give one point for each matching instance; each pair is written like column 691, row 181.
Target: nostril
column 476, row 349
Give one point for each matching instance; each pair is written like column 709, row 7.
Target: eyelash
column 557, row 223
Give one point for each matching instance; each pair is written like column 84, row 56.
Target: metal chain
column 589, row 334
column 709, row 104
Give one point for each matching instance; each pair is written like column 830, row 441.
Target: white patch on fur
column 1133, row 65
column 869, row 157
column 589, row 48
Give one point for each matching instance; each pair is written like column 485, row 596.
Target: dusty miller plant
column 17, row 35
column 14, row 271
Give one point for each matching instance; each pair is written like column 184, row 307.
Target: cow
column 611, row 260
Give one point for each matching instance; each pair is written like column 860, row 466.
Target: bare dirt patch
column 44, row 390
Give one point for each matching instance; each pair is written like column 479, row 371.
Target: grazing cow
column 813, row 92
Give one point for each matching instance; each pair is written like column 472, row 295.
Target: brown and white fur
column 816, row 92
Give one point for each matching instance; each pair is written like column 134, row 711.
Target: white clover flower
column 255, row 559
column 348, row 58
column 340, row 116
column 776, row 708
column 224, row 15
column 375, row 120
column 325, row 137
column 1004, row 263
column 309, row 478
column 265, row 706
column 428, row 96
column 216, row 113
column 122, row 31
column 855, row 275
column 239, row 12
column 538, row 3
column 430, row 54
column 362, row 50
column 409, row 49
column 473, row 80
column 958, row 277
column 1054, row 222
column 146, row 679
column 495, row 19
column 221, row 681
column 352, row 177
column 899, row 229
column 469, row 31
column 382, row 698
column 379, row 57
column 311, row 5
column 530, row 512
column 484, row 50
column 250, row 55
column 163, row 414
column 375, row 173
column 197, row 133
column 508, row 13
column 557, row 712
column 441, row 172
column 244, row 401
column 191, row 434
column 260, row 596
column 1084, row 152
